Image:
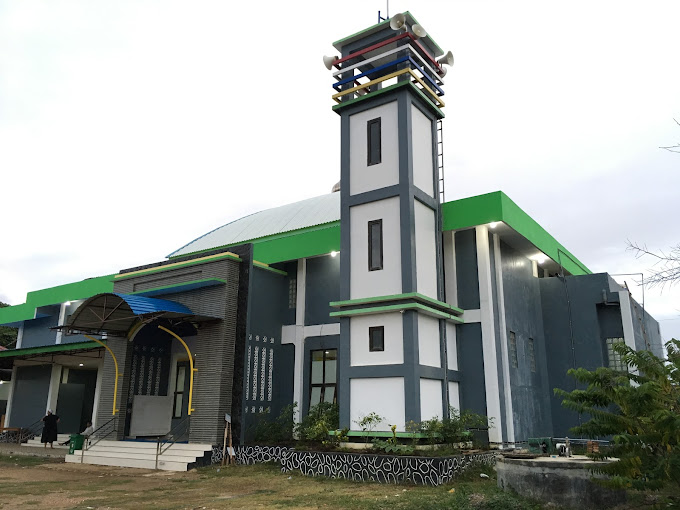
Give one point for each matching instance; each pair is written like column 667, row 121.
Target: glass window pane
column 374, row 142
column 375, row 245
column 317, row 367
column 315, row 396
column 331, row 367
column 329, row 394
column 181, row 373
column 178, row 405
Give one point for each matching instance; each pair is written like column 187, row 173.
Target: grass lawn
column 28, row 482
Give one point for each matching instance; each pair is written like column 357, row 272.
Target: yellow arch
column 191, row 366
column 115, row 361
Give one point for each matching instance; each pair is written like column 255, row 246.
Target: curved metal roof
column 114, row 314
column 286, row 218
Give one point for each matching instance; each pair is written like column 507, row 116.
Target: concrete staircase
column 139, row 454
column 35, row 442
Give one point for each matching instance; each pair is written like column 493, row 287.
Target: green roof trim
column 55, row 295
column 48, row 349
column 393, row 308
column 400, row 297
column 302, row 243
column 290, row 245
column 177, row 265
column 434, row 107
column 497, row 206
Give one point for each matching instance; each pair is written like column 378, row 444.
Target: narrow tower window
column 532, row 355
column 375, row 245
column 374, row 142
column 376, row 338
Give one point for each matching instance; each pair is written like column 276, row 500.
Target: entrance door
column 70, row 407
column 181, row 399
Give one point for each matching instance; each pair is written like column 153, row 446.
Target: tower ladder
column 440, row 159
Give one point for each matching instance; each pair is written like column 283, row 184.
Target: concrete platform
column 565, row 481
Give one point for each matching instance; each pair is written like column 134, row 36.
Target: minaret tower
column 393, row 356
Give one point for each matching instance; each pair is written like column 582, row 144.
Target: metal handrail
column 170, row 438
column 26, row 432
column 87, row 444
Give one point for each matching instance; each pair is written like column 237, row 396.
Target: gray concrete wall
column 37, row 332
column 323, row 286
column 29, row 401
column 562, row 482
column 530, row 388
column 575, row 327
column 471, row 368
column 466, row 270
column 269, row 387
column 646, row 330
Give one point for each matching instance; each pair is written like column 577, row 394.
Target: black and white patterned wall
column 259, row 375
column 362, row 467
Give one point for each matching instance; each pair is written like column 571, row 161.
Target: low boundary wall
column 362, row 466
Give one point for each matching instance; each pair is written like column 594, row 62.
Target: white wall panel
column 426, row 250
column 454, row 395
column 429, row 350
column 386, row 173
column 394, row 340
column 382, row 395
column 430, row 399
column 451, row 346
column 365, row 283
column 423, row 172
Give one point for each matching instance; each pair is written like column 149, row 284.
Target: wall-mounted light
column 493, row 224
column 2, row 382
column 68, row 303
column 540, row 258
column 80, row 364
column 334, row 253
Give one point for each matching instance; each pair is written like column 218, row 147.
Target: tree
column 667, row 265
column 640, row 409
column 8, row 336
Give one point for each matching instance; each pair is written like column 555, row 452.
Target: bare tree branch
column 666, row 269
column 673, row 148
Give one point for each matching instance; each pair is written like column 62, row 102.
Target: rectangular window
column 374, row 142
column 376, row 338
column 179, row 390
column 531, row 354
column 323, row 377
column 513, row 350
column 375, row 245
column 614, row 358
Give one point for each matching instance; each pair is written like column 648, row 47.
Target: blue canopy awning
column 115, row 314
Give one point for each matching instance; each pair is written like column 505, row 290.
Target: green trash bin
column 76, row 443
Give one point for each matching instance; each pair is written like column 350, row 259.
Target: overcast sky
column 129, row 128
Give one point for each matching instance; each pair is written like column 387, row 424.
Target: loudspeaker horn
column 328, row 61
column 443, row 71
column 397, row 21
column 446, row 59
column 418, row 31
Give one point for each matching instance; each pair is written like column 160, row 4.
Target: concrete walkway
column 16, row 449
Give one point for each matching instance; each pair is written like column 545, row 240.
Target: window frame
column 371, row 340
column 323, row 384
column 372, row 266
column 614, row 360
column 377, row 158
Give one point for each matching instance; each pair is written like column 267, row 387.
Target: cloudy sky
column 129, row 128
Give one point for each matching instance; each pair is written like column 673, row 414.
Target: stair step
column 187, row 459
column 130, row 463
column 148, row 451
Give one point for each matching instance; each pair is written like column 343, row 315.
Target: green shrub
column 320, row 419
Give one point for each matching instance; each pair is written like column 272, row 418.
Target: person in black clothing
column 49, row 434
